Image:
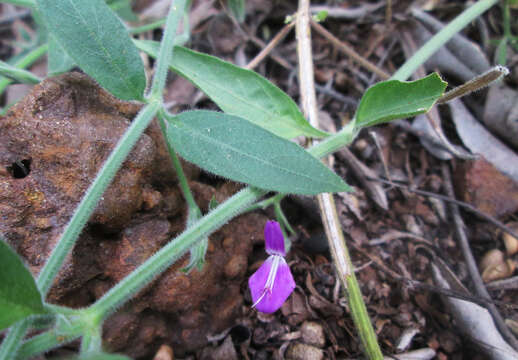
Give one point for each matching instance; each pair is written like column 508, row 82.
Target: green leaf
column 239, row 91
column 237, row 8
column 58, row 60
column 394, row 99
column 94, row 37
column 123, row 9
column 320, row 16
column 19, row 296
column 232, row 147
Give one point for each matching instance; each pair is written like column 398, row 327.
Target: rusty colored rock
column 52, row 144
column 137, row 244
column 483, row 186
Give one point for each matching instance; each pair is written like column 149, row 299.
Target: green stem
column 361, row 318
column 92, row 341
column 507, row 20
column 165, row 55
column 439, row 39
column 11, row 342
column 147, row 27
column 92, row 196
column 25, row 3
column 141, row 276
column 25, row 62
column 182, row 179
column 261, row 205
column 20, row 75
column 48, row 340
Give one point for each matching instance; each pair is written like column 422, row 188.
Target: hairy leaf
column 19, row 296
column 394, row 99
column 94, row 37
column 58, row 60
column 239, row 91
column 232, row 147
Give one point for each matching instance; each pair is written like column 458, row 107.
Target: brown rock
column 52, row 144
column 482, row 185
column 298, row 351
column 61, row 133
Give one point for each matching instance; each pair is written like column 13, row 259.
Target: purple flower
column 272, row 283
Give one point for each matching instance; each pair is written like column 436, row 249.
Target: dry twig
column 349, row 51
column 470, row 261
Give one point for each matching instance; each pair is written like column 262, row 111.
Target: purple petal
column 273, row 238
column 283, row 285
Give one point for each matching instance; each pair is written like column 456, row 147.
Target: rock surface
column 52, row 144
column 483, row 186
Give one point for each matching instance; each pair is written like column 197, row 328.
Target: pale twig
column 333, row 229
column 349, row 51
column 271, row 45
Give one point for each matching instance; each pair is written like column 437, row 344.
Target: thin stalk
column 151, row 26
column 330, row 220
column 92, row 196
column 182, row 179
column 25, row 3
column 442, row 37
column 48, row 340
column 165, row 53
column 11, row 342
column 25, row 62
column 20, row 75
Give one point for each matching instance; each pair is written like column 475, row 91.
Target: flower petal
column 273, row 238
column 282, row 287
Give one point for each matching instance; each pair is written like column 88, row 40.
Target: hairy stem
column 165, row 53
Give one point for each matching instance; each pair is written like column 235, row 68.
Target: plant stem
column 147, row 27
column 182, row 179
column 92, row 196
column 439, row 39
column 24, row 62
column 17, row 74
column 172, row 251
column 25, row 3
column 165, row 53
column 11, row 341
column 48, row 340
column 330, row 220
column 92, row 340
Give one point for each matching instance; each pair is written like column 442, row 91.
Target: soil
column 53, row 142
